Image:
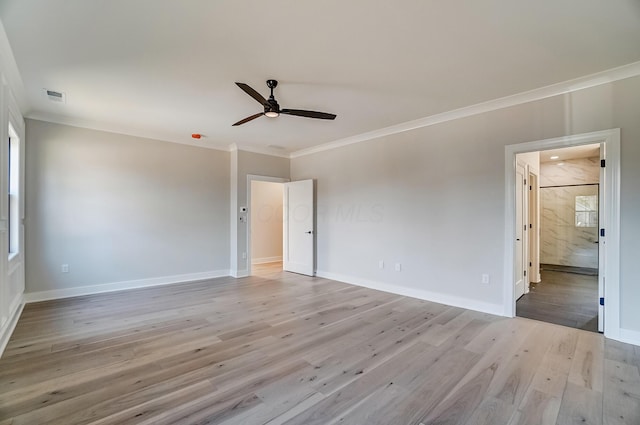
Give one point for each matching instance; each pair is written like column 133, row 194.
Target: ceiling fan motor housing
column 271, row 106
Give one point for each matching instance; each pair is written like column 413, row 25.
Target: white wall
column 433, row 198
column 532, row 159
column 117, row 208
column 266, row 221
column 11, row 268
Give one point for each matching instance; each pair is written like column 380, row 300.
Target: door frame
column 524, row 205
column 610, row 245
column 534, row 230
column 252, row 178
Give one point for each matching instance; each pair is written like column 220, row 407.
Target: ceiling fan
column 272, row 109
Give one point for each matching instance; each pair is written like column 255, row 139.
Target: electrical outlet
column 381, row 264
column 398, row 267
column 485, row 278
column 64, row 268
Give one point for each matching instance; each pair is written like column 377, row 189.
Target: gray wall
column 433, row 198
column 118, row 208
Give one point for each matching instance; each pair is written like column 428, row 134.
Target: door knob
column 518, row 239
column 309, row 232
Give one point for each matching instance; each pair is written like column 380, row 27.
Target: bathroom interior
column 565, row 291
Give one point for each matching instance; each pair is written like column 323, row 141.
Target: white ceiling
column 574, row 152
column 166, row 68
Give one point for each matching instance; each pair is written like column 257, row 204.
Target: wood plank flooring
column 567, row 299
column 281, row 348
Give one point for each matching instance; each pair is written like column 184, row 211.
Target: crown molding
column 256, row 149
column 92, row 125
column 587, row 81
column 117, row 129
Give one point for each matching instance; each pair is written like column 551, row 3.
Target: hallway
column 562, row 298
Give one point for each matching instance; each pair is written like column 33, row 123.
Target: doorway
column 607, row 227
column 265, row 225
column 563, row 284
column 280, row 225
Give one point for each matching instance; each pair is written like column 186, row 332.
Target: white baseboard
column 9, row 326
column 239, row 273
column 416, row 293
column 119, row 286
column 265, row 260
column 629, row 336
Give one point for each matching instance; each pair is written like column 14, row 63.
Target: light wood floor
column 281, row 348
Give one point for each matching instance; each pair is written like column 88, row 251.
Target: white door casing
column 609, row 267
column 519, row 242
column 533, row 233
column 299, row 235
column 601, row 239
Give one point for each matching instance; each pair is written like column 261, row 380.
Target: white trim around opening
column 611, row 141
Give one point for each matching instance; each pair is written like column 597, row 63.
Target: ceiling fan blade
column 252, row 117
column 308, row 114
column 254, row 94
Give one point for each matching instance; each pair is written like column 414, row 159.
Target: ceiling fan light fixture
column 272, row 114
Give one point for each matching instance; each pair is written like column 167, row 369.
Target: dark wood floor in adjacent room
column 568, row 299
column 287, row 349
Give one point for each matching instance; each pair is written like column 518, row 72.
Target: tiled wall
column 566, row 239
column 572, row 171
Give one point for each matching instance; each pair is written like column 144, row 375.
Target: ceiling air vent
column 55, row 96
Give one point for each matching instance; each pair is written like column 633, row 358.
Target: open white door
column 299, row 241
column 519, row 267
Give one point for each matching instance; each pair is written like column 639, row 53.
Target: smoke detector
column 55, row 96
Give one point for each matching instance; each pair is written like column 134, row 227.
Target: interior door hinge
column 602, row 301
column 530, row 226
column 602, row 233
column 602, row 163
column 530, row 264
column 525, row 182
column 525, row 272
